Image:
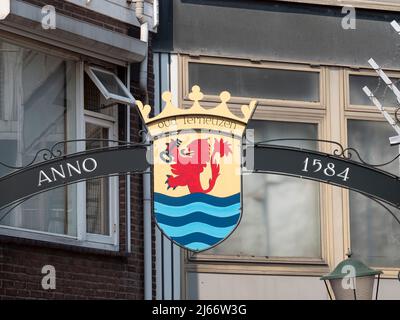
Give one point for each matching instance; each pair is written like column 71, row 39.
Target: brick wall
column 83, row 273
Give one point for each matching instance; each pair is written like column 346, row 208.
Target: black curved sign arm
column 68, row 169
column 329, row 169
column 61, row 171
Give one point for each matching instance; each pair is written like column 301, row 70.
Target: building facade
column 306, row 62
column 68, row 72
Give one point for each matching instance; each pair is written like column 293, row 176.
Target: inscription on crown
column 197, row 117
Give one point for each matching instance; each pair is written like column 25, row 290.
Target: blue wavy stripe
column 197, row 246
column 197, row 197
column 179, row 211
column 197, row 237
column 197, row 217
column 196, row 227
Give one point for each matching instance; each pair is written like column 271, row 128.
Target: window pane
column 109, row 81
column 93, row 98
column 97, row 190
column 281, row 216
column 375, row 234
column 37, row 96
column 378, row 87
column 255, row 82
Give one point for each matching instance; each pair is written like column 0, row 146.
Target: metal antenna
column 393, row 140
column 396, row 139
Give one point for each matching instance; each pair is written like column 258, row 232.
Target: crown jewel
column 196, row 96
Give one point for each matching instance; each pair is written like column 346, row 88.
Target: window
column 37, row 105
column 263, row 83
column 97, row 190
column 289, row 224
column 45, row 99
column 101, row 195
column 281, row 218
column 376, row 85
column 374, row 235
column 281, row 215
column 110, row 85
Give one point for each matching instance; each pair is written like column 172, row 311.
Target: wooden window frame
column 321, row 104
column 332, row 117
column 366, row 113
column 348, row 107
column 271, row 110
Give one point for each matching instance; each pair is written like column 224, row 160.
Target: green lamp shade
column 359, row 282
column 361, row 270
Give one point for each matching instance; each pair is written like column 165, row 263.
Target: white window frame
column 113, row 191
column 129, row 99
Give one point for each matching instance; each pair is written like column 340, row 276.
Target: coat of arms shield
column 197, row 155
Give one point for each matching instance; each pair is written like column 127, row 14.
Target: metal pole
column 377, row 287
column 327, row 289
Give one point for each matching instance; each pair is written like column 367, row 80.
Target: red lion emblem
column 189, row 163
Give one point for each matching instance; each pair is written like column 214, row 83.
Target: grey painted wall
column 268, row 30
column 245, row 286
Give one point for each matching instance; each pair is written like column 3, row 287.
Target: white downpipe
column 148, row 263
column 156, row 14
column 148, row 270
column 128, row 176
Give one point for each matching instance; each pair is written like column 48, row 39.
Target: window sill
column 259, row 269
column 256, row 265
column 253, row 259
column 27, row 238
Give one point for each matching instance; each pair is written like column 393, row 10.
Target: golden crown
column 196, row 95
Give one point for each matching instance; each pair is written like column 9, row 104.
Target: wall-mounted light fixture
column 352, row 280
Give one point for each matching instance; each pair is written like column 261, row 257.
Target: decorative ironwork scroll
column 59, row 170
column 337, row 169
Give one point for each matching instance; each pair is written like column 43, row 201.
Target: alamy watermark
column 49, row 279
column 49, row 19
column 348, row 281
column 349, row 21
column 171, row 148
column 5, row 8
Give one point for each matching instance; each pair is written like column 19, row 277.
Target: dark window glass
column 281, row 215
column 375, row 234
column 255, row 82
column 377, row 86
